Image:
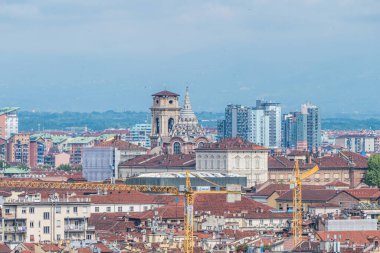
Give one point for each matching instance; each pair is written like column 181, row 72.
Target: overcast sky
column 96, row 55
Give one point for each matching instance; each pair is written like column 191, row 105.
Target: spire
column 187, row 113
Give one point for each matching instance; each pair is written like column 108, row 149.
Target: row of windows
column 316, row 176
column 120, row 209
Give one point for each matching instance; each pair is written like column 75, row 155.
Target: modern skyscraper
column 8, row 122
column 264, row 124
column 236, row 121
column 313, row 126
column 302, row 130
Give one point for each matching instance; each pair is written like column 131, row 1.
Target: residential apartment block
column 33, row 218
column 8, row 122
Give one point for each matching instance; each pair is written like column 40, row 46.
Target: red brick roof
column 121, row 145
column 310, row 195
column 112, row 222
column 84, row 250
column 364, row 193
column 4, row 248
column 345, row 160
column 50, row 247
column 183, row 160
column 165, row 93
column 232, row 144
column 337, row 183
column 270, row 189
column 133, row 197
column 103, row 248
column 357, row 237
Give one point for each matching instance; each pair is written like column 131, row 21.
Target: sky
column 97, row 55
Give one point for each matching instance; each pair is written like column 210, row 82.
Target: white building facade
column 234, row 156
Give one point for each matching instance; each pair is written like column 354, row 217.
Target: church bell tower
column 165, row 114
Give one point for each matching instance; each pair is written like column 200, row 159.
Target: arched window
column 247, row 162
column 177, row 148
column 157, row 125
column 170, row 124
column 237, row 162
column 257, row 161
column 201, row 144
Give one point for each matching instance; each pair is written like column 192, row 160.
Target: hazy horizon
column 112, row 55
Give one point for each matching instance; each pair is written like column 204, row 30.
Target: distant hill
column 32, row 121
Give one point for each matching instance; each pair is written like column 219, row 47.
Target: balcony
column 18, row 229
column 79, row 228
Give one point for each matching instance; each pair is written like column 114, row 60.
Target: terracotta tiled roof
column 357, row 237
column 364, row 193
column 232, row 144
column 50, row 247
column 133, row 197
column 103, row 248
column 344, row 160
column 282, row 188
column 121, row 145
column 165, row 93
column 184, row 160
column 111, row 222
column 4, row 248
column 84, row 250
column 310, row 195
column 337, row 183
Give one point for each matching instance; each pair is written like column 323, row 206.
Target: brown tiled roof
column 121, row 145
column 112, row 222
column 347, row 160
column 133, row 197
column 183, row 160
column 217, row 204
column 232, row 144
column 103, row 248
column 364, row 193
column 165, row 93
column 282, row 188
column 357, row 237
column 50, row 247
column 169, row 211
column 321, row 205
column 4, row 248
column 310, row 195
column 337, row 183
column 298, row 153
column 84, row 250
column 267, row 191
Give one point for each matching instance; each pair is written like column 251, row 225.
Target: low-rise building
column 347, row 167
column 102, row 161
column 234, row 156
column 35, row 217
column 156, row 164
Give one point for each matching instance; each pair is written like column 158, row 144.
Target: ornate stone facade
column 174, row 130
column 234, row 156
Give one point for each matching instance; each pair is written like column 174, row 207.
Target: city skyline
column 91, row 56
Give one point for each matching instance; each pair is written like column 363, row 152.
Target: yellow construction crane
column 189, row 196
column 189, row 210
column 85, row 186
column 297, row 200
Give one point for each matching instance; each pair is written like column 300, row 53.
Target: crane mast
column 297, row 200
column 189, row 216
column 297, row 206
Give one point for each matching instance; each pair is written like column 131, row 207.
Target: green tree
column 67, row 167
column 242, row 248
column 372, row 176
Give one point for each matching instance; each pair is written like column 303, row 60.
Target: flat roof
column 183, row 175
column 6, row 110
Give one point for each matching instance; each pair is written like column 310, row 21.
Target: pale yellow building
column 33, row 218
